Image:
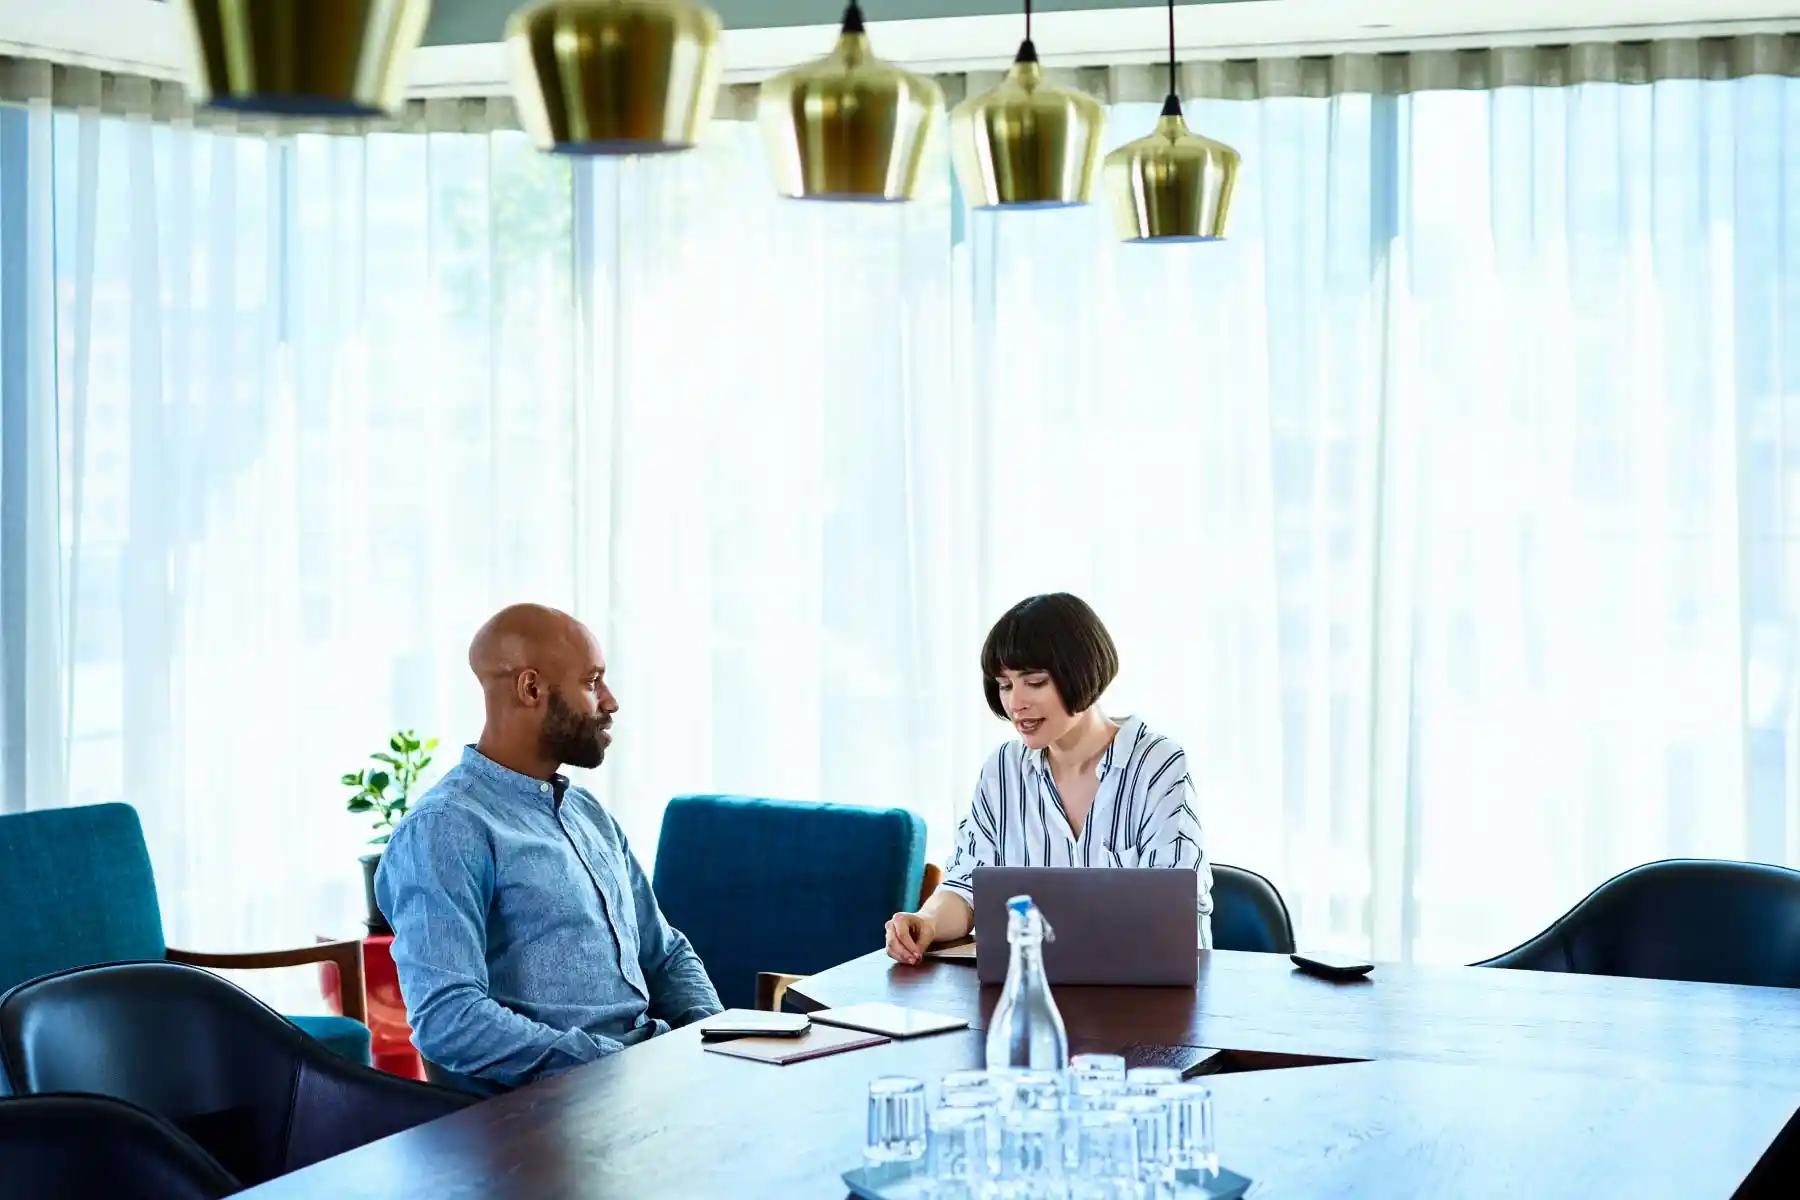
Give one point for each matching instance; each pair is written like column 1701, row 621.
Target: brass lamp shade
column 1027, row 143
column 304, row 58
column 608, row 77
column 1172, row 186
column 848, row 126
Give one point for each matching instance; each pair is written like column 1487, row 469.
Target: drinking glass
column 1039, row 1091
column 896, row 1120
column 1031, row 1157
column 1147, row 1081
column 957, row 1151
column 1098, row 1066
column 1192, row 1152
column 976, row 1090
column 1105, row 1163
column 1149, row 1116
column 1095, row 1080
column 962, row 1080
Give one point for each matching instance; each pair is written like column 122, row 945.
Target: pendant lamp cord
column 853, row 18
column 1027, row 49
column 1172, row 102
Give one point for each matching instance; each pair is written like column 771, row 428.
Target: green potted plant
column 384, row 792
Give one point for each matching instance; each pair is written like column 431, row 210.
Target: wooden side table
column 391, row 1047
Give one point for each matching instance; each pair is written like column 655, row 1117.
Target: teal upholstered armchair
column 766, row 886
column 77, row 889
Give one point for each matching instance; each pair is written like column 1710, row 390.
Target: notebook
column 889, row 1020
column 816, row 1042
column 961, row 950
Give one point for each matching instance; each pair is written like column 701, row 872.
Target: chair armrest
column 771, row 986
column 347, row 955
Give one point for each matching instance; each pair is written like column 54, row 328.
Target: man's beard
column 571, row 738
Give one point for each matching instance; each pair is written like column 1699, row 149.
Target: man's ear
column 529, row 687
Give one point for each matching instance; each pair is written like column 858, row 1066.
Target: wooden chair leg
column 771, row 986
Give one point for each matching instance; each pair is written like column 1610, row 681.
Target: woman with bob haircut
column 1075, row 788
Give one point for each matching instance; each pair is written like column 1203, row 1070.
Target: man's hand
column 909, row 935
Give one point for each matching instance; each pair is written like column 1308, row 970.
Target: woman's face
column 1034, row 706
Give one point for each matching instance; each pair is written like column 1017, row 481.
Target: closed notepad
column 961, row 950
column 816, row 1042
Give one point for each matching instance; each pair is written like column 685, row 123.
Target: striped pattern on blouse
column 1143, row 816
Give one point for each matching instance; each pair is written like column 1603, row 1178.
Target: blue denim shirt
column 526, row 935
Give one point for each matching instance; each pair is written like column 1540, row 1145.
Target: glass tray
column 908, row 1181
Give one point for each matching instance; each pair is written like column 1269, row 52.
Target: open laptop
column 1113, row 925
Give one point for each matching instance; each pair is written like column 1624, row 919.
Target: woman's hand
column 909, row 935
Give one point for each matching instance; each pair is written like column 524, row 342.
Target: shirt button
column 543, row 787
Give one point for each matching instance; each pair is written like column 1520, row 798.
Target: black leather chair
column 1248, row 913
column 462, row 1083
column 203, row 1054
column 63, row 1146
column 1706, row 920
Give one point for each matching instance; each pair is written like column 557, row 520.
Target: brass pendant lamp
column 304, row 58
column 848, row 126
column 1026, row 143
column 1172, row 186
column 613, row 77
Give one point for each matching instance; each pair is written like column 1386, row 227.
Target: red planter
column 391, row 1037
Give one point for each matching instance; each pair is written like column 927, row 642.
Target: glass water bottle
column 1027, row 1032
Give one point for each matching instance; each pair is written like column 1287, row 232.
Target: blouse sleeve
column 976, row 843
column 1170, row 834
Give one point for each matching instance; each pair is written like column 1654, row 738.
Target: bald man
column 527, row 937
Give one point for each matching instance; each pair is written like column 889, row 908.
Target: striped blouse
column 1143, row 816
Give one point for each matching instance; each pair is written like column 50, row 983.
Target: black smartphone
column 1335, row 967
column 750, row 1022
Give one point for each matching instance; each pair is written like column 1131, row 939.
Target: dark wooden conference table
column 1421, row 1081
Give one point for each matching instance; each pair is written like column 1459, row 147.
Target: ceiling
column 465, row 22
column 463, row 57
column 462, row 22
column 765, row 36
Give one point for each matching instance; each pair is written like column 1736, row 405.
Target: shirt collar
column 511, row 784
column 1039, row 760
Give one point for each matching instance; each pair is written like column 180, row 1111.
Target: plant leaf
column 395, row 744
column 378, row 780
column 379, row 839
column 430, row 744
column 352, row 779
column 360, row 804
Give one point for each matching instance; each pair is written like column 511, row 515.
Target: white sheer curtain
column 767, row 526
column 1186, row 436
column 306, row 410
column 1440, row 513
column 1593, row 308
column 263, row 400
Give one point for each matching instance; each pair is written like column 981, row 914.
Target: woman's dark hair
column 1059, row 635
